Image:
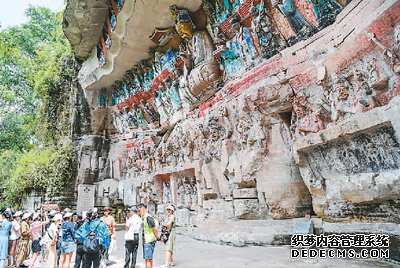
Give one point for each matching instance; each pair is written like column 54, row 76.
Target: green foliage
column 44, row 170
column 35, row 75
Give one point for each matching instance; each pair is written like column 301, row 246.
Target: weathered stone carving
column 342, row 104
column 306, row 118
column 206, row 68
column 393, row 55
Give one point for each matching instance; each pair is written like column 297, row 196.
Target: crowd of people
column 52, row 238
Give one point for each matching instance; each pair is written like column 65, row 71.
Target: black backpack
column 91, row 244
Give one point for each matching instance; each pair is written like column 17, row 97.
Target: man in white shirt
column 133, row 228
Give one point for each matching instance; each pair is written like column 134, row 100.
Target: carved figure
column 149, row 109
column 139, row 115
column 302, row 28
column 174, row 95
column 259, row 135
column 363, row 100
column 306, row 119
column 183, row 22
column 181, row 192
column 376, row 78
column 184, row 92
column 199, row 141
column 166, row 193
column 325, row 11
column 392, row 55
column 206, row 68
column 268, row 40
column 160, row 106
column 132, row 120
column 342, row 105
column 195, row 198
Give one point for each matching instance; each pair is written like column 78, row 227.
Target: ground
column 197, row 254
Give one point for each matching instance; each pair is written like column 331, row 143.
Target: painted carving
column 392, row 54
column 183, row 22
column 306, row 118
column 206, row 68
column 325, row 11
column 302, row 27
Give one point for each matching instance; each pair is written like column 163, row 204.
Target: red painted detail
column 103, row 45
column 160, row 79
column 244, row 15
column 202, row 110
column 121, row 106
column 114, row 7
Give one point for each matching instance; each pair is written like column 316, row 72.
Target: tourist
column 36, row 232
column 67, row 240
column 109, row 220
column 150, row 234
column 170, row 225
column 23, row 247
column 14, row 239
column 93, row 228
column 52, row 233
column 133, row 228
column 5, row 228
column 80, row 253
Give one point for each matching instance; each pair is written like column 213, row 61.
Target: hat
column 52, row 213
column 68, row 215
column 170, row 207
column 18, row 214
column 26, row 215
column 133, row 209
column 35, row 215
column 57, row 217
column 107, row 209
column 66, row 210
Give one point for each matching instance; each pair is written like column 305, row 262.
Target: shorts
column 36, row 247
column 12, row 247
column 148, row 250
column 67, row 247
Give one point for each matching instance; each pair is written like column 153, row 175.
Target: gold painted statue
column 183, row 22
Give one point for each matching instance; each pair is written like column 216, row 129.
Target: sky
column 13, row 13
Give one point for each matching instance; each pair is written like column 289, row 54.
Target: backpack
column 91, row 244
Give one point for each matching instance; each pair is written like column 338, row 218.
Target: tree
column 36, row 67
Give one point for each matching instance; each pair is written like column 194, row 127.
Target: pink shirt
column 36, row 230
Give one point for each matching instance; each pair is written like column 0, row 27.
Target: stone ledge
column 373, row 119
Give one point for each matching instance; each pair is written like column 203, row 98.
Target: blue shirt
column 5, row 228
column 68, row 232
column 90, row 226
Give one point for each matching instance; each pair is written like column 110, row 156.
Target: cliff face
column 272, row 114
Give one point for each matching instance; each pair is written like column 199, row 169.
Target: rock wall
column 303, row 119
